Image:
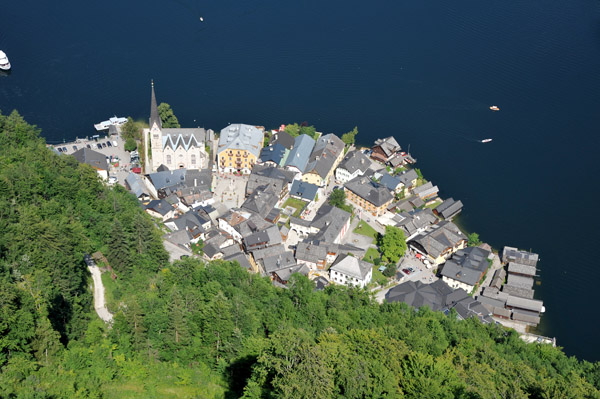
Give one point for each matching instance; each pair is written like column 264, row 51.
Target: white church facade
column 175, row 148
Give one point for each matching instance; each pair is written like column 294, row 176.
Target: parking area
column 107, row 148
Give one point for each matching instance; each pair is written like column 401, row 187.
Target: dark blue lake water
column 423, row 71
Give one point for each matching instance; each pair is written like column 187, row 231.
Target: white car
column 112, row 179
column 115, row 143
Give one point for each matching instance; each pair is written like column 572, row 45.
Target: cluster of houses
column 378, row 182
column 510, row 294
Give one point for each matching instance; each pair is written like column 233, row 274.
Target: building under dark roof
column 449, row 208
column 303, row 190
column 93, row 158
column 275, row 153
column 438, row 296
column 262, row 201
column 370, row 191
column 467, row 266
column 284, row 139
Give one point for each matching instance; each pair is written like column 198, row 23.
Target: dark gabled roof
column 304, row 190
column 284, row 139
column 154, row 117
column 330, row 221
column 407, row 177
column 355, row 160
column 370, row 191
column 136, row 184
column 270, row 236
column 168, row 178
column 310, row 252
column 261, row 201
column 160, row 206
column 467, row 265
column 439, row 237
column 389, row 145
column 240, row 258
column 449, row 208
column 445, row 205
column 390, row 182
column 273, row 153
column 162, row 168
column 279, row 261
column 327, row 149
column 211, row 250
column 92, row 158
column 298, row 157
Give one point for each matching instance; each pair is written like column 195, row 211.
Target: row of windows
column 192, row 159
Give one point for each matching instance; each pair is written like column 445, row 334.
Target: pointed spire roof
column 154, row 117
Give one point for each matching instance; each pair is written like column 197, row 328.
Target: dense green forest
column 195, row 330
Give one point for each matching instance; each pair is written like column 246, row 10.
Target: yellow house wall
column 312, row 178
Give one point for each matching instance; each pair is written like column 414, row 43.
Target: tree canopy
column 473, row 240
column 392, row 244
column 348, row 138
column 337, row 198
column 167, row 117
column 194, row 329
column 296, row 130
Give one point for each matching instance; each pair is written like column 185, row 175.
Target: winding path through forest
column 99, row 302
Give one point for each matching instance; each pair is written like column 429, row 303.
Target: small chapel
column 175, row 148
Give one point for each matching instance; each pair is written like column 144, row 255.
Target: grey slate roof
column 261, row 201
column 426, row 190
column 452, row 210
column 351, row 266
column 264, row 238
column 273, row 153
column 309, row 252
column 285, row 273
column 211, row 250
column 263, row 175
column 369, row 190
column 413, row 221
column 407, row 177
column 269, row 251
column 518, row 268
column 518, row 291
column 241, row 137
column 168, row 178
column 299, row 155
column 390, row 182
column 136, row 184
column 330, row 221
column 279, row 261
column 180, row 237
column 284, row 139
column 520, row 281
column 160, row 206
column 154, row 117
column 252, row 225
column 523, row 303
column 439, row 237
column 183, row 137
column 322, row 159
column 355, row 160
column 304, row 190
column 389, row 145
column 93, row 158
column 510, row 254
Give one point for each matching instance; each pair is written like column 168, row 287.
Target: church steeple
column 154, row 118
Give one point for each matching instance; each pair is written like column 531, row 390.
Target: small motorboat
column 494, row 108
column 4, row 63
column 107, row 124
column 201, row 19
column 486, row 140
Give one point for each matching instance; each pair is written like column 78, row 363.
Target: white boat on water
column 4, row 63
column 495, row 108
column 112, row 121
column 486, row 140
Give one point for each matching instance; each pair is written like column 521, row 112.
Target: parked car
column 89, row 146
column 115, row 143
column 108, row 144
column 406, row 271
column 64, row 149
column 74, row 148
column 99, row 146
column 112, row 179
column 103, row 145
column 58, row 149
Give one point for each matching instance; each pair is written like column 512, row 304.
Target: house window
column 193, row 159
column 168, row 159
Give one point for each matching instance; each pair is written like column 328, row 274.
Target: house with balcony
column 239, row 148
column 439, row 242
column 300, row 154
column 354, row 164
column 385, row 149
column 369, row 195
column 325, row 157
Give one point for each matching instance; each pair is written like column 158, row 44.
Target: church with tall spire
column 175, row 148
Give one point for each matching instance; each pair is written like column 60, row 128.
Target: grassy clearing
column 364, row 229
column 296, row 204
column 371, row 255
column 434, row 204
column 378, row 277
